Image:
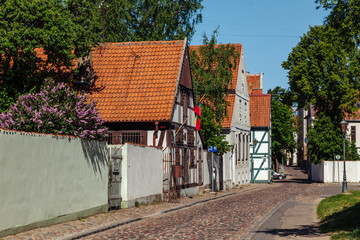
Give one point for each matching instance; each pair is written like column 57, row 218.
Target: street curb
column 117, row 224
column 102, row 229
column 250, row 234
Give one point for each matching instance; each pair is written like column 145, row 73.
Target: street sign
column 337, row 157
column 212, row 149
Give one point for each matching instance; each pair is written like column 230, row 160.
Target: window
column 192, row 159
column 130, row 137
column 109, row 138
column 121, row 137
column 244, row 147
column 353, row 134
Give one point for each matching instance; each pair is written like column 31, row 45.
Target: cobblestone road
column 231, row 215
column 226, row 218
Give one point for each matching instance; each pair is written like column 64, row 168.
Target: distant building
column 260, row 122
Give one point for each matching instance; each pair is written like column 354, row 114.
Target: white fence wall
column 332, row 171
column 142, row 174
column 45, row 179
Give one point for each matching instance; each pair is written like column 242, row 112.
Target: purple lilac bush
column 56, row 109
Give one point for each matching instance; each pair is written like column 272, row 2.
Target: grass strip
column 340, row 215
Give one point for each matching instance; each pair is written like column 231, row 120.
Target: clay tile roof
column 230, row 109
column 260, row 109
column 139, row 80
column 238, row 47
column 257, row 91
column 253, row 81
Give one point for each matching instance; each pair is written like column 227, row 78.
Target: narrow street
column 284, row 209
column 232, row 217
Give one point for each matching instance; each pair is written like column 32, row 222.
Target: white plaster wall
column 263, row 175
column 242, row 176
column 264, row 147
column 227, row 170
column 228, row 161
column 332, row 171
column 242, row 87
column 46, row 176
column 240, row 125
column 357, row 133
column 142, row 172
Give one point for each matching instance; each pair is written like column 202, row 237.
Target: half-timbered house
column 144, row 93
column 260, row 146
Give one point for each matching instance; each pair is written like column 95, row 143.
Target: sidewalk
column 297, row 218
column 83, row 227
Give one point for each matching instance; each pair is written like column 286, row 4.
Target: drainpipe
column 155, row 132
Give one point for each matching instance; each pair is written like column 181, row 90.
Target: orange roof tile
column 253, row 81
column 257, row 91
column 139, row 80
column 238, row 48
column 230, row 109
column 260, row 109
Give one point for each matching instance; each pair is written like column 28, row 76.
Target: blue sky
column 267, row 29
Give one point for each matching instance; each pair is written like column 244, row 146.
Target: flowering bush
column 56, row 109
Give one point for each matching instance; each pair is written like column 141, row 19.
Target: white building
column 236, row 127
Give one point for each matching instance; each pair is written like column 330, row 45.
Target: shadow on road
column 302, row 231
column 293, row 180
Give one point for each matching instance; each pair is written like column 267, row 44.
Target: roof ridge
column 260, row 95
column 235, row 44
column 142, row 43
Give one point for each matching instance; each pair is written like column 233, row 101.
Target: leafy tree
column 56, row 109
column 344, row 17
column 211, row 131
column 282, row 95
column 139, row 20
column 324, row 139
column 26, row 26
column 87, row 14
column 282, row 123
column 324, row 72
column 353, row 153
column 212, row 67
